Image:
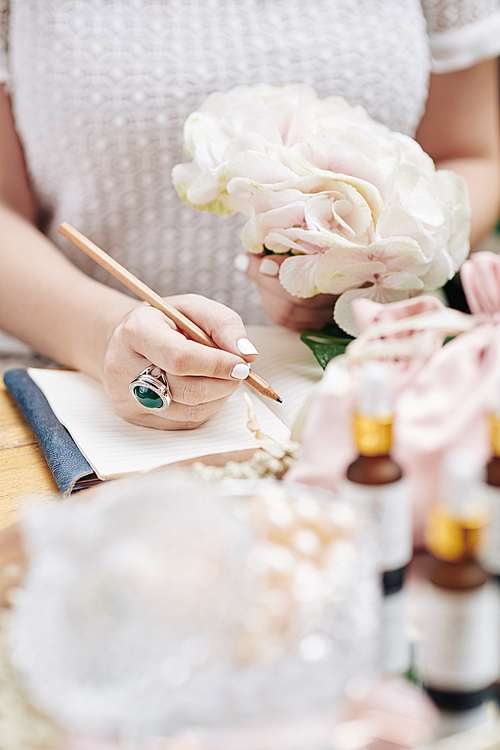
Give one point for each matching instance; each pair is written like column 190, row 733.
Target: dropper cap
column 461, row 478
column 374, row 398
column 373, row 418
column 454, row 529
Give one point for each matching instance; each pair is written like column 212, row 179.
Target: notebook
column 114, row 448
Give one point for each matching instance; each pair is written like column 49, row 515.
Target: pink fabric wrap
column 440, row 401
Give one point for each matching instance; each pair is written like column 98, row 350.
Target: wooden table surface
column 23, row 469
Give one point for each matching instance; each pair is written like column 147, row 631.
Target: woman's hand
column 292, row 312
column 201, row 379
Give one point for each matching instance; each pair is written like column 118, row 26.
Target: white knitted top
column 101, row 89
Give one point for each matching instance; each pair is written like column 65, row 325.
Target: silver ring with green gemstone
column 150, row 388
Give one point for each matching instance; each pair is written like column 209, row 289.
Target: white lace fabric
column 101, row 90
column 444, row 15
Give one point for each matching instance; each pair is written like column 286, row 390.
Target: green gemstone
column 147, row 397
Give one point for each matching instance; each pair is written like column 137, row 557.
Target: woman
column 91, row 111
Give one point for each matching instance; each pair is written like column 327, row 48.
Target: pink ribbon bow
column 441, row 394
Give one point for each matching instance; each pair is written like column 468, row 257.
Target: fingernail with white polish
column 246, row 347
column 269, row 267
column 240, row 372
column 241, row 262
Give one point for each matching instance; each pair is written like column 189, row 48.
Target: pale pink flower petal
column 342, row 268
column 291, row 109
column 397, row 221
column 260, row 200
column 398, row 253
column 257, row 228
column 301, row 159
column 253, row 189
column 334, row 278
column 342, row 211
column 262, row 169
column 298, row 275
column 439, row 272
column 204, row 141
column 243, row 143
column 454, row 191
column 342, row 312
column 203, row 190
column 424, row 206
column 347, row 158
column 282, row 242
column 322, row 239
column 403, row 281
column 182, row 177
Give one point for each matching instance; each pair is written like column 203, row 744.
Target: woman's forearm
column 460, row 130
column 45, row 300
column 61, row 312
column 49, row 303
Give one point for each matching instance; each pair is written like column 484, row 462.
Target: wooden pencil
column 148, row 295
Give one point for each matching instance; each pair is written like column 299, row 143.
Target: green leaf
column 331, row 341
column 332, row 329
column 413, row 675
column 327, row 343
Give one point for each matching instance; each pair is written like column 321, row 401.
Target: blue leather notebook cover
column 70, row 469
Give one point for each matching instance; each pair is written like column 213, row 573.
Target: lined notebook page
column 114, row 447
column 288, row 365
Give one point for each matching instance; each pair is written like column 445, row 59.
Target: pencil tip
column 280, row 400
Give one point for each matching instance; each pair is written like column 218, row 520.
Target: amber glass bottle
column 491, row 552
column 375, row 475
column 461, row 606
column 375, row 478
column 493, row 467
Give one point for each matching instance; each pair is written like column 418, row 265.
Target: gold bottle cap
column 452, row 537
column 373, row 435
column 494, row 420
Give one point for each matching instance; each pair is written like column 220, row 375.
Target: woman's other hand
column 292, row 312
column 201, row 379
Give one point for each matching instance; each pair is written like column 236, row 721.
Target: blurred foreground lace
column 164, row 604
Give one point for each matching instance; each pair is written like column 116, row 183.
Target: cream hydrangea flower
column 358, row 209
column 246, row 119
